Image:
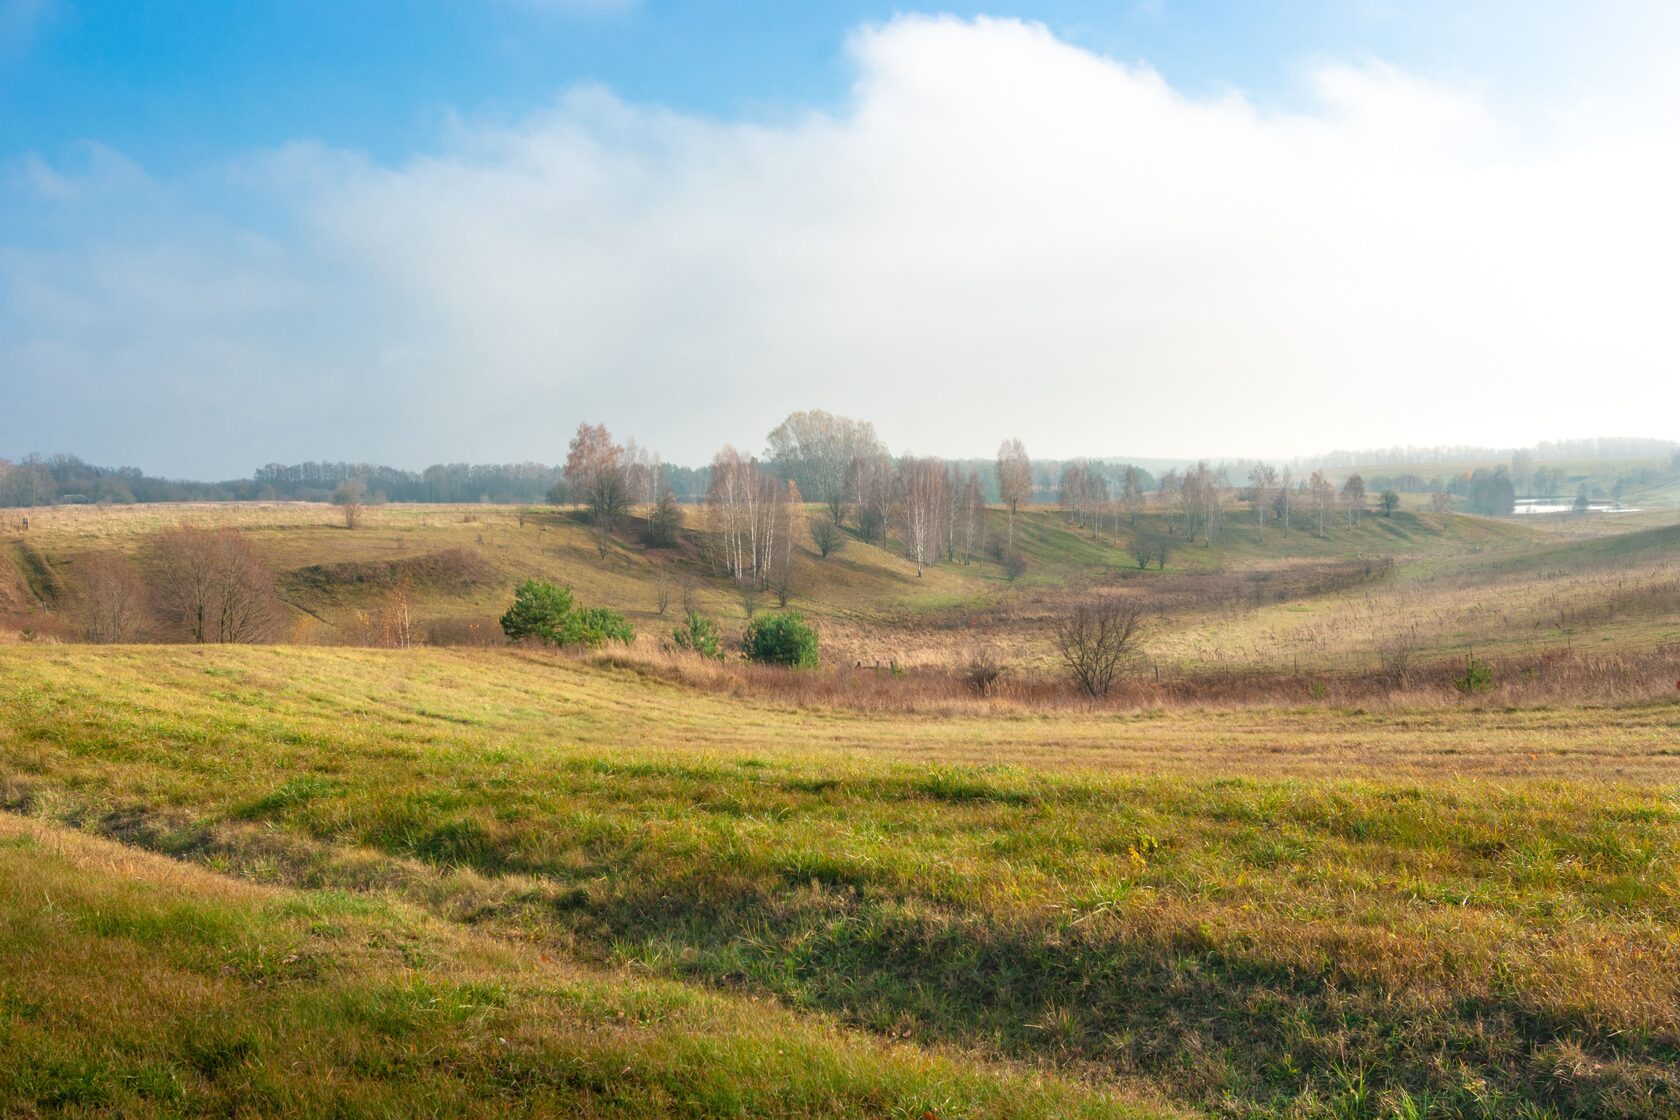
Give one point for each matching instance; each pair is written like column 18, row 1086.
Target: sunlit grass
column 1241, row 909
column 134, row 987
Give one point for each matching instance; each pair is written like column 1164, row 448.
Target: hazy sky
column 424, row 231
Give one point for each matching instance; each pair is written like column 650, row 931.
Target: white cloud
column 999, row 234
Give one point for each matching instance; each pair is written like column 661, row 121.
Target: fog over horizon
column 997, row 233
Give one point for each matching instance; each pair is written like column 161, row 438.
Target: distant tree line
column 842, row 465
column 65, row 479
column 1602, row 447
column 68, row 480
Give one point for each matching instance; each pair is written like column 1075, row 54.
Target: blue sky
column 171, row 82
column 213, row 214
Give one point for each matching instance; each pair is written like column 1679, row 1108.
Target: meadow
column 325, row 879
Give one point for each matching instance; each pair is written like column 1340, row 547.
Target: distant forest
column 67, row 480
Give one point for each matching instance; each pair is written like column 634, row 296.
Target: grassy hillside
column 1258, row 598
column 1440, row 911
column 137, row 986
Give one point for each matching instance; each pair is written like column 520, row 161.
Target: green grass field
column 1455, row 912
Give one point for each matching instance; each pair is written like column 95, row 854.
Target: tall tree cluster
column 1195, row 500
column 1084, row 495
column 751, row 516
column 923, row 490
column 1014, row 479
column 1321, row 494
column 820, row 451
column 597, row 471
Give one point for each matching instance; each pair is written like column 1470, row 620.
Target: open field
column 1284, row 870
column 1256, row 912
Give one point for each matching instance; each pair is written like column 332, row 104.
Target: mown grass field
column 1450, row 909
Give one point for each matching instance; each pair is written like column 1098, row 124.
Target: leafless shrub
column 213, row 587
column 1095, row 641
column 113, row 599
column 983, row 669
column 1395, row 653
column 827, row 537
column 1143, row 550
column 781, row 577
column 749, row 591
column 662, row 589
column 350, row 497
column 397, row 626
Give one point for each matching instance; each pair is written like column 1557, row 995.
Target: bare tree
column 1096, row 640
column 1077, row 490
column 817, row 449
column 1131, row 493
column 1285, row 498
column 749, row 591
column 1201, row 501
column 350, row 497
column 780, row 576
column 1522, row 468
column 971, row 512
column 922, row 497
column 1442, row 502
column 662, row 589
column 643, row 474
column 1353, row 496
column 1170, row 486
column 1263, row 478
column 751, row 517
column 113, row 599
column 1015, row 483
column 948, row 515
column 1322, row 493
column 872, row 482
column 596, row 472
column 1076, row 486
column 396, row 626
column 213, row 587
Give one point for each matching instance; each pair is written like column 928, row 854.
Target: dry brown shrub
column 214, row 587
column 113, row 602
